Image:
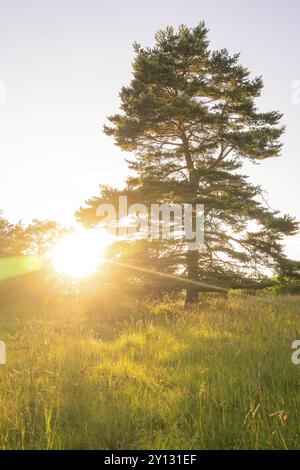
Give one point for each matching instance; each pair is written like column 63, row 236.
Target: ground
column 150, row 376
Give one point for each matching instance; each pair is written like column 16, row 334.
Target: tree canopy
column 189, row 117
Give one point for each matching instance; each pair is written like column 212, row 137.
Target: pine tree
column 189, row 117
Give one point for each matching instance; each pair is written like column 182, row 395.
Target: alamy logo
column 296, row 92
column 296, row 353
column 2, row 92
column 2, row 353
column 156, row 222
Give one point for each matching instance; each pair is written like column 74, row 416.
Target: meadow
column 150, row 375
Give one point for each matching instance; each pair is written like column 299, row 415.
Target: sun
column 79, row 254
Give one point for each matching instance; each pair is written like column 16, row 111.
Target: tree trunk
column 191, row 296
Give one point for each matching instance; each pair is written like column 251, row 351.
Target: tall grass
column 145, row 376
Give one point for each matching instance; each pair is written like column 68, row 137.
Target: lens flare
column 79, row 254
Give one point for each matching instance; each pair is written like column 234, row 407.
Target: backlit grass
column 216, row 377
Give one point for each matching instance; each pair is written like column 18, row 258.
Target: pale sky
column 63, row 63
